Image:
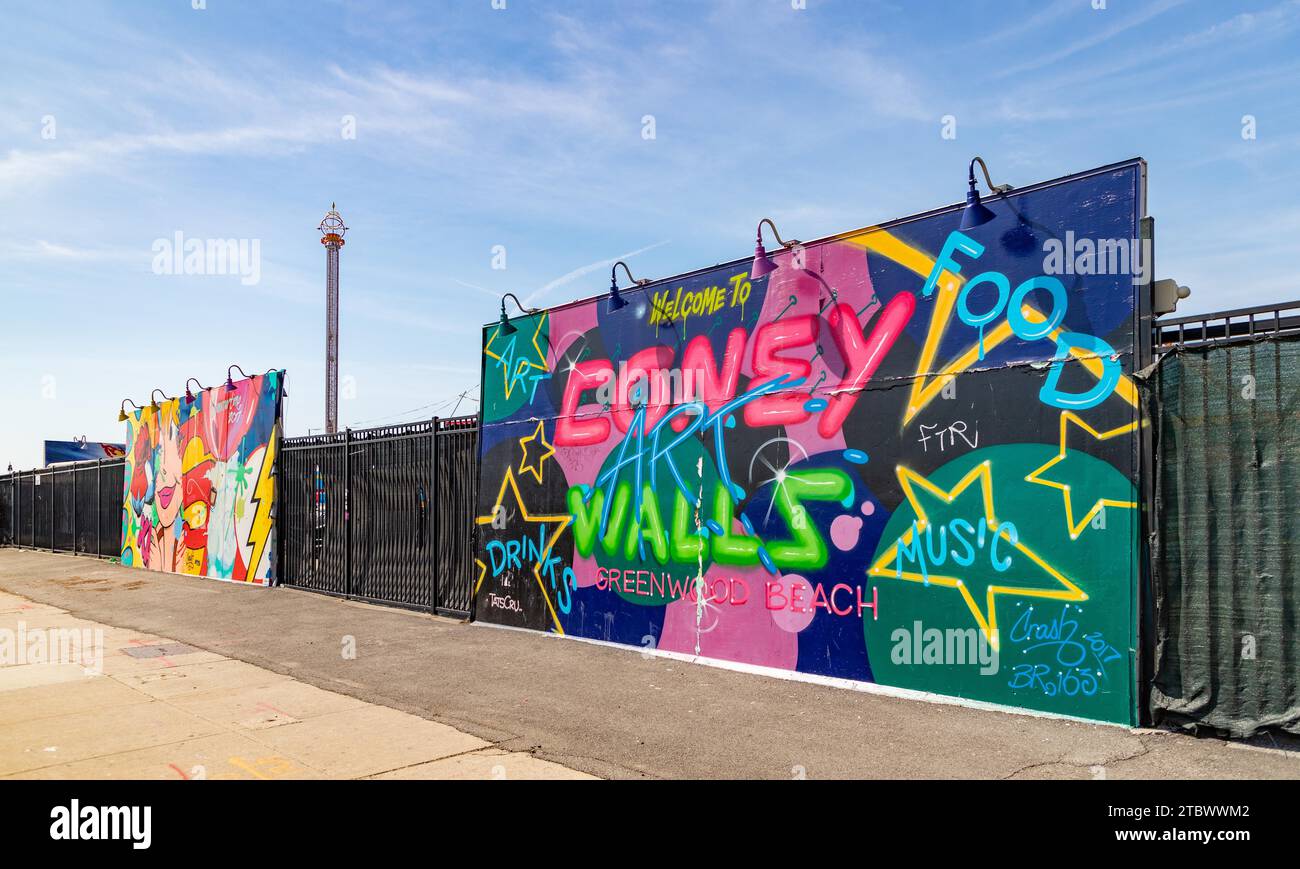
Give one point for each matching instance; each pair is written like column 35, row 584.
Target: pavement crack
column 1063, row 760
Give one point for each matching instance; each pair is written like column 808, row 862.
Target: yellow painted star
column 1036, row 476
column 987, row 619
column 538, row 436
column 562, row 523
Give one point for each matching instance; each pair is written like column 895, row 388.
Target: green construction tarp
column 1227, row 653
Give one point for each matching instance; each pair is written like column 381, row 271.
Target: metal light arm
column 613, row 275
column 993, row 188
column 518, row 304
column 791, row 243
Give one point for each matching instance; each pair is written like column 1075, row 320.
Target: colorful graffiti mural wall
column 906, row 456
column 200, row 483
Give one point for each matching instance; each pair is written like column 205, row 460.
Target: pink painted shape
column 678, row 634
column 862, row 353
column 845, row 531
column 839, row 266
column 582, row 464
column 584, row 569
column 807, row 436
column 228, row 414
column 746, row 633
column 568, row 325
column 785, row 589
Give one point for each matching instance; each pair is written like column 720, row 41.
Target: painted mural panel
column 81, row 451
column 200, row 483
column 906, row 456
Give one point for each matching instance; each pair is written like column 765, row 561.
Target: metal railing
column 383, row 514
column 74, row 508
column 1241, row 324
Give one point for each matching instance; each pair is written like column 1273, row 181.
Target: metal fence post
column 435, row 516
column 277, row 555
column 54, row 488
column 74, row 511
column 347, row 511
column 99, row 501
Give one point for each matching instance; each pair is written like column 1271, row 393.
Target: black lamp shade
column 975, row 213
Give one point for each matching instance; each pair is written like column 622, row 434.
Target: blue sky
column 523, row 128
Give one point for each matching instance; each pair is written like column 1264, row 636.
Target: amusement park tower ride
column 332, row 232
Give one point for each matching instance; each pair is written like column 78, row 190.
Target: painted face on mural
column 167, row 479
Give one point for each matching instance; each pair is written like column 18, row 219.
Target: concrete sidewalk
column 135, row 706
column 604, row 711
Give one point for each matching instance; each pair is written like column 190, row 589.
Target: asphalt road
column 613, row 712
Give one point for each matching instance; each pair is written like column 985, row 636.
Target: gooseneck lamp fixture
column 121, row 409
column 153, row 402
column 977, row 213
column 230, row 382
column 616, row 301
column 508, row 328
column 763, row 264
column 189, row 396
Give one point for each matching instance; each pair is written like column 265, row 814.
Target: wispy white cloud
column 107, row 154
column 403, row 113
column 581, row 271
column 476, row 288
column 1044, row 17
column 1174, row 57
column 1141, row 16
column 41, row 250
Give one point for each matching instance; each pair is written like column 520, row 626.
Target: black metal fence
column 383, row 515
column 74, row 508
column 1220, row 327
